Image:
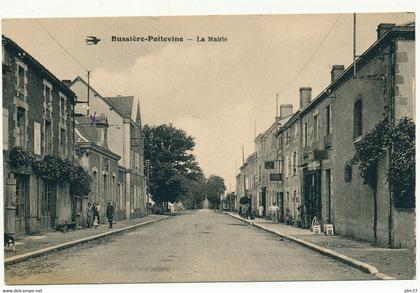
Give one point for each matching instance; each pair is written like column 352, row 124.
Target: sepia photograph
column 209, row 148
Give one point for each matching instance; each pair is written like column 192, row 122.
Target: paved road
column 195, row 246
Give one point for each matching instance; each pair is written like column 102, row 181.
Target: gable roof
column 124, row 104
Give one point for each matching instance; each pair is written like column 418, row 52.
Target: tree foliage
column 174, row 171
column 215, row 187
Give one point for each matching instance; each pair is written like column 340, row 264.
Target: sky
column 221, row 93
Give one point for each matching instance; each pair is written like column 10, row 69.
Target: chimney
column 383, row 28
column 286, row 110
column 66, row 82
column 336, row 71
column 305, row 96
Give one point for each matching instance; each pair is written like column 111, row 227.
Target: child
column 95, row 222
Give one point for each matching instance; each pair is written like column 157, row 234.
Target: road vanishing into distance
column 193, row 246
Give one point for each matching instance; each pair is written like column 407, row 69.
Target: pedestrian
column 95, row 212
column 95, row 222
column 172, row 208
column 110, row 213
column 288, row 221
column 98, row 211
column 261, row 211
column 89, row 215
column 273, row 211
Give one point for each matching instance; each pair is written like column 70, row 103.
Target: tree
column 173, row 167
column 215, row 187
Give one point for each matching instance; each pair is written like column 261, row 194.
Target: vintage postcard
column 223, row 148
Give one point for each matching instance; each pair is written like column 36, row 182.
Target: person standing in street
column 110, row 213
column 98, row 211
column 261, row 211
column 89, row 215
column 95, row 213
column 273, row 211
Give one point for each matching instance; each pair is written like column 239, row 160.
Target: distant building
column 37, row 118
column 125, row 140
column 268, row 164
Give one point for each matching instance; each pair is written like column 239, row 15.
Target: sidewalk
column 27, row 245
column 395, row 263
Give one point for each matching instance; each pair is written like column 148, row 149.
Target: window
column 348, row 173
column 47, row 97
column 46, row 199
column 47, row 138
column 63, row 115
column 305, row 137
column 259, row 173
column 286, row 167
column 105, row 184
column 63, row 142
column 294, row 164
column 21, row 78
column 21, row 189
column 95, row 185
column 5, row 129
column 316, row 124
column 20, row 127
column 137, row 161
column 357, row 119
column 328, row 119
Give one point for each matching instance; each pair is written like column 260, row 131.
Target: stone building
column 101, row 164
column 383, row 86
column 37, row 119
column 316, row 146
column 126, row 141
column 268, row 165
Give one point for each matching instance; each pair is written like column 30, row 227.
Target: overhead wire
column 315, row 52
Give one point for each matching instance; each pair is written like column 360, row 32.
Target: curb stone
column 33, row 254
column 367, row 268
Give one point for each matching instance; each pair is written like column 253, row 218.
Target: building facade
column 126, row 141
column 316, row 147
column 102, row 165
column 37, row 122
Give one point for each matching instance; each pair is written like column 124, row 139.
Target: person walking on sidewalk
column 273, row 211
column 89, row 215
column 110, row 213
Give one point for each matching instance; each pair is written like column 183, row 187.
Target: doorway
column 312, row 195
column 22, row 182
column 264, row 200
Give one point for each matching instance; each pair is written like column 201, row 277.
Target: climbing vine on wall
column 401, row 170
column 370, row 149
column 55, row 169
column 402, row 166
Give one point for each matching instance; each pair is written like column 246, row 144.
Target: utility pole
column 243, row 165
column 354, row 45
column 88, row 90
